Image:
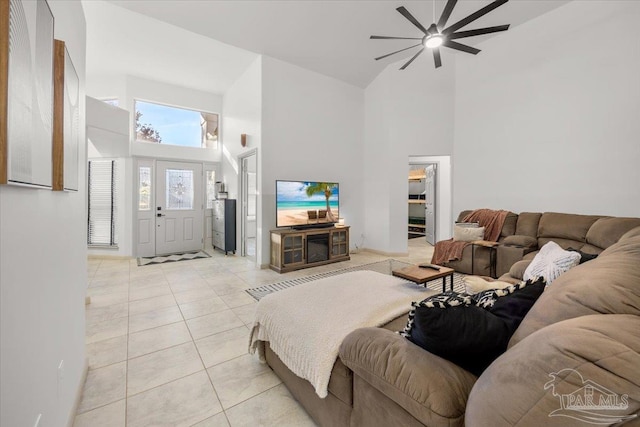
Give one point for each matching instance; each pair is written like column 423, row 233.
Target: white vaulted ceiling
column 329, row 37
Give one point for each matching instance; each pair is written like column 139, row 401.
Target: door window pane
column 211, row 188
column 179, row 192
column 144, row 188
column 252, row 192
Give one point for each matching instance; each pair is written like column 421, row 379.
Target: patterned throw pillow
column 551, row 262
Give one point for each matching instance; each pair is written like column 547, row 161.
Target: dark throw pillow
column 467, row 335
column 584, row 257
column 471, row 330
column 513, row 307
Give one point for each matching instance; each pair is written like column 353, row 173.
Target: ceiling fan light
column 433, row 41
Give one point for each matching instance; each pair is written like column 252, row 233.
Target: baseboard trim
column 384, row 253
column 76, row 403
column 110, row 257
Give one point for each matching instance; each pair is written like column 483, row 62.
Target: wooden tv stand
column 295, row 249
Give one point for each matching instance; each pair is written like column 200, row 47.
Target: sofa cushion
column 521, row 240
column 527, row 224
column 634, row 232
column 609, row 284
column 550, row 262
column 524, row 386
column 607, row 231
column 509, row 226
column 517, row 270
column 561, row 226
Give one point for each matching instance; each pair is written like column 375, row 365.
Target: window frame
column 218, row 141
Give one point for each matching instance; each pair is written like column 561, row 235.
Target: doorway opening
column 249, row 204
column 430, row 199
column 422, row 201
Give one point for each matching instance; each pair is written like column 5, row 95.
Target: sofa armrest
column 509, row 254
column 431, row 389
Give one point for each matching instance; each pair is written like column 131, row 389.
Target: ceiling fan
column 437, row 35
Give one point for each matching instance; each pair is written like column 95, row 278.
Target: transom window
column 161, row 124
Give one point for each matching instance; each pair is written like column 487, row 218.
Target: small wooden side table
column 424, row 275
column 493, row 248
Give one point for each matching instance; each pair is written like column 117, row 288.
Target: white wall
column 242, row 105
column 311, row 130
column 43, row 275
column 408, row 113
column 107, row 130
column 547, row 115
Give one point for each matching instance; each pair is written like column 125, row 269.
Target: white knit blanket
column 306, row 324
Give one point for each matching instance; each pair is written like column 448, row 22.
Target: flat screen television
column 307, row 204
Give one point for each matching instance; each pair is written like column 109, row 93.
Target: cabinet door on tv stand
column 293, row 249
column 339, row 243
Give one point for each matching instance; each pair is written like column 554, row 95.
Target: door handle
column 159, row 215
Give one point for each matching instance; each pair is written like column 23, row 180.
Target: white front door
column 179, row 207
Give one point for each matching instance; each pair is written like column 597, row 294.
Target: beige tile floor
column 167, row 344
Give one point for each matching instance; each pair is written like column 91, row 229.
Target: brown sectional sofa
column 523, row 234
column 587, row 233
column 588, row 320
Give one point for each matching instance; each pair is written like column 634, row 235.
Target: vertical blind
column 101, row 229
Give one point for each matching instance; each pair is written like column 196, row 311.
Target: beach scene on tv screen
column 304, row 203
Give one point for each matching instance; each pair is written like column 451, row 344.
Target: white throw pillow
column 468, row 234
column 551, row 262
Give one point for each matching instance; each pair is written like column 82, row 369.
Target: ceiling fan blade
column 394, row 38
column 398, row 51
column 436, row 57
column 474, row 16
column 410, row 17
column 446, row 12
column 478, row 32
column 460, row 46
column 411, row 60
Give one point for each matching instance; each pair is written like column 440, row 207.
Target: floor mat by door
column 172, row 258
